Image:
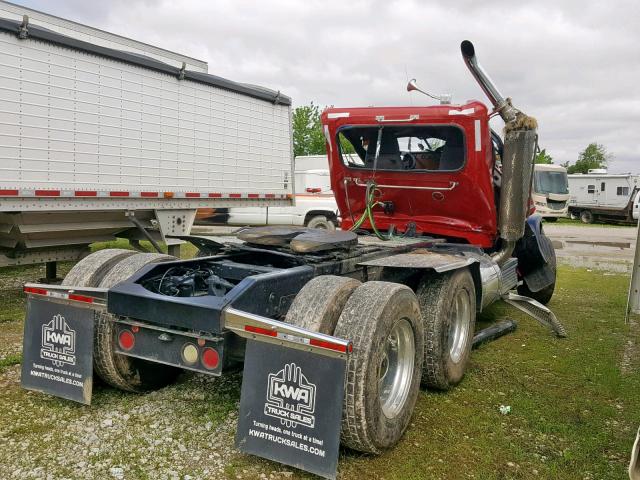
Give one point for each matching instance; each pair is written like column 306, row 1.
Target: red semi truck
column 338, row 331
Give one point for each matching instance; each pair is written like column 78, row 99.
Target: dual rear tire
column 448, row 306
column 400, row 340
column 104, row 269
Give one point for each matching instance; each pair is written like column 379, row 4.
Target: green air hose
column 371, row 202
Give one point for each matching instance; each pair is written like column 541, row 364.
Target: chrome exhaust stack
column 517, row 159
column 500, row 104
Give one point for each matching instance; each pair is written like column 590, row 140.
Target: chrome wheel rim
column 395, row 370
column 459, row 326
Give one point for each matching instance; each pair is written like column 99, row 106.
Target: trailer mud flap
column 58, row 350
column 291, row 407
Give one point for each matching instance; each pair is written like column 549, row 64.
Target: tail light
column 210, row 358
column 126, row 339
column 314, row 190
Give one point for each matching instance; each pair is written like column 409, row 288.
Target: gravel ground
column 185, row 431
column 584, row 423
column 168, row 434
column 601, row 247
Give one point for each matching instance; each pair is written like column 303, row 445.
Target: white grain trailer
column 97, row 142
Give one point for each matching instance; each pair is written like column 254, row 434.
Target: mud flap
column 535, row 252
column 58, row 350
column 540, row 278
column 291, row 407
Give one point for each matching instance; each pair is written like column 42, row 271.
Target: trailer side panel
column 78, row 121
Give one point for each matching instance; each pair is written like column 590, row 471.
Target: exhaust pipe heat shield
column 517, row 169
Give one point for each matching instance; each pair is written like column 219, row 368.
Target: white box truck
column 97, row 141
column 598, row 195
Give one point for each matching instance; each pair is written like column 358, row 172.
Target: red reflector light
column 261, row 331
column 210, row 358
column 126, row 339
column 37, row 291
column 80, row 298
column 47, row 193
column 314, row 190
column 331, row 346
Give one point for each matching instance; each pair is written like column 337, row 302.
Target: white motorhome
column 598, row 195
column 315, row 205
column 550, row 192
column 104, row 136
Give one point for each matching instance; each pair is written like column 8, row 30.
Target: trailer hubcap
column 459, row 327
column 396, row 368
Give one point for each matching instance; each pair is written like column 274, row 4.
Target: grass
column 574, row 409
column 187, row 249
column 10, row 360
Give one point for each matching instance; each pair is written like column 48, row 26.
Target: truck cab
column 432, row 166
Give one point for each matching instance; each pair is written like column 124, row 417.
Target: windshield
column 407, row 147
column 550, row 182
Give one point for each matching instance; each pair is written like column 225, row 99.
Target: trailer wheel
column 586, row 216
column 322, row 222
column 89, row 271
column 382, row 382
column 448, row 306
column 318, row 305
column 120, row 371
column 543, row 296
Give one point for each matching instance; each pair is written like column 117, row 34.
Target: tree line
column 595, row 155
column 308, row 139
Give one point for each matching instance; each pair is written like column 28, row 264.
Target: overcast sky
column 574, row 65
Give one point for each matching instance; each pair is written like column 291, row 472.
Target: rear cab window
column 413, row 148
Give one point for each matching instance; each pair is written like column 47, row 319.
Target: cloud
column 572, row 64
